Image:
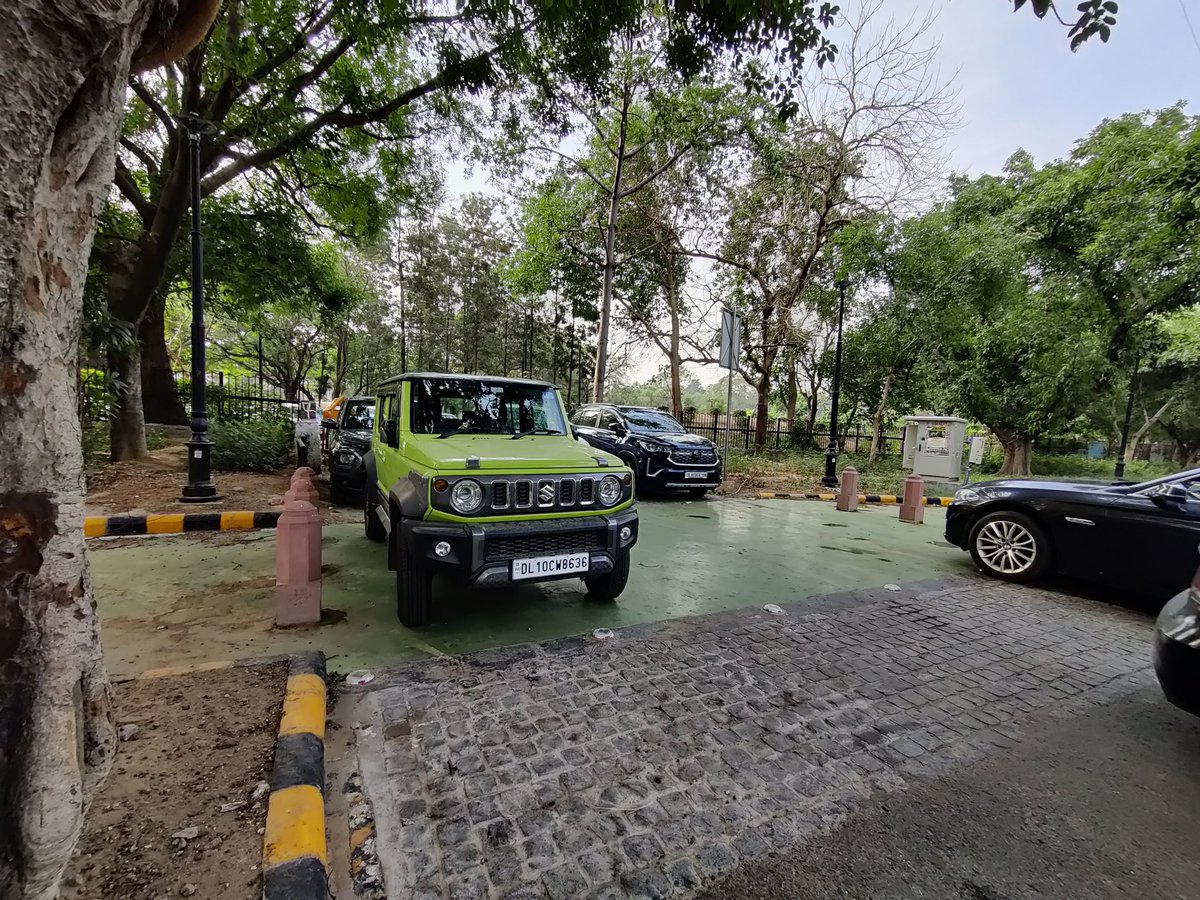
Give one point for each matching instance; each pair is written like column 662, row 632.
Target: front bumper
column 1177, row 651
column 483, row 554
column 958, row 524
column 662, row 473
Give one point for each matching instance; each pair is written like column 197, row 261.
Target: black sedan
column 1177, row 648
column 1143, row 537
column 659, row 450
column 352, row 439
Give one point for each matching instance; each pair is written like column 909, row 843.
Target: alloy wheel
column 1006, row 546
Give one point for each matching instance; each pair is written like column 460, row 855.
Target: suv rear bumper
column 483, row 554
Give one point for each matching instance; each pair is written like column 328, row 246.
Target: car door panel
column 1151, row 546
column 1074, row 523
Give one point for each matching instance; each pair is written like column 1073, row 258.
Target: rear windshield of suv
column 647, row 420
column 448, row 405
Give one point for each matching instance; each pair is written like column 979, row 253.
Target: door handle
column 1075, row 521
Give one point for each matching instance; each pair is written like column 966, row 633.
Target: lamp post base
column 830, row 479
column 199, row 487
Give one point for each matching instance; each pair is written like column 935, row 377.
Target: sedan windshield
column 646, row 421
column 446, row 406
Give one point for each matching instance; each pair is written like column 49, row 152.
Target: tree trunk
column 877, row 420
column 676, row 365
column 127, row 430
column 1131, row 448
column 762, row 411
column 64, row 68
column 160, row 398
column 600, row 371
column 793, row 393
column 1018, row 448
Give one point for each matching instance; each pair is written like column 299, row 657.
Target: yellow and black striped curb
column 295, row 857
column 178, row 523
column 862, row 498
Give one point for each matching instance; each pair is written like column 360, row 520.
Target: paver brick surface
column 648, row 764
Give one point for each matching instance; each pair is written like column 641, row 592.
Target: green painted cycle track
column 184, row 601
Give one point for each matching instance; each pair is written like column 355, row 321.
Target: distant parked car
column 352, row 438
column 661, row 452
column 1177, row 648
column 1143, row 537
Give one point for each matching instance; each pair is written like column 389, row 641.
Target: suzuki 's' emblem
column 546, row 493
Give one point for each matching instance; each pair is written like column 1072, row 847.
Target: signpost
column 731, row 353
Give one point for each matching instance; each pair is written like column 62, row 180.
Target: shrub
column 254, row 446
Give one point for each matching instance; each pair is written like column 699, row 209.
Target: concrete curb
column 862, row 498
column 295, row 856
column 178, row 523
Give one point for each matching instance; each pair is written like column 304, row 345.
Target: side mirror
column 620, row 430
column 329, row 423
column 1170, row 495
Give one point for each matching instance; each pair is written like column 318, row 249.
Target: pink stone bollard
column 912, row 507
column 847, row 498
column 302, row 487
column 298, row 565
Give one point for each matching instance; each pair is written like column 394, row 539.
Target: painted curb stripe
column 295, row 856
column 862, row 498
column 299, row 760
column 300, row 879
column 295, row 827
column 304, row 706
column 178, row 523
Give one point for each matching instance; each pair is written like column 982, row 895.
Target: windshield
column 447, row 405
column 648, row 420
column 359, row 415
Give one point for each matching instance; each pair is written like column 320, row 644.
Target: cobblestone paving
column 649, row 763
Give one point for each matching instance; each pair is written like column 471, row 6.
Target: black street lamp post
column 199, row 487
column 830, row 479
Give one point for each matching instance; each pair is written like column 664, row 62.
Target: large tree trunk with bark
column 160, row 399
column 64, row 68
column 127, row 430
column 1018, row 449
column 762, row 410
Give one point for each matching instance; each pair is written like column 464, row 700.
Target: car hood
column 358, row 439
column 500, row 453
column 683, row 441
column 1022, row 484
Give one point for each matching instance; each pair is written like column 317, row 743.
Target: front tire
column 1011, row 546
column 608, row 587
column 414, row 589
column 371, row 525
column 337, row 493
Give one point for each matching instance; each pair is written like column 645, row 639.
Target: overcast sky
column 1021, row 87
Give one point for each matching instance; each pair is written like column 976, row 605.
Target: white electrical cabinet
column 933, row 446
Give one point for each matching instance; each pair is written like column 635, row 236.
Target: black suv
column 353, row 438
column 658, row 449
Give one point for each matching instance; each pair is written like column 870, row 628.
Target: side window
column 381, row 407
column 1193, row 489
column 585, row 417
column 609, row 419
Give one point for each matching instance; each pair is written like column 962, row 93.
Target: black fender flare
column 408, row 498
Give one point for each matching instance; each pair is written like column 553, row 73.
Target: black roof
column 421, row 376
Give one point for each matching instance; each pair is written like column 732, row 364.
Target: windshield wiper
column 521, row 434
column 446, row 434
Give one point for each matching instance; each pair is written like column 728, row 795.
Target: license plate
column 696, row 476
column 545, row 566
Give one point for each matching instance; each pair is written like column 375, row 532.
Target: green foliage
column 257, row 445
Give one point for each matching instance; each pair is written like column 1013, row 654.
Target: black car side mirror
column 329, row 423
column 1170, row 495
column 620, row 431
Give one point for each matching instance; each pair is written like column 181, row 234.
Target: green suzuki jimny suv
column 480, row 478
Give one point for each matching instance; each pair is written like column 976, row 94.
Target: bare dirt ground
column 157, row 829
column 152, row 485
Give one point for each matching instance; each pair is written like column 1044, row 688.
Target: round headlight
column 610, row 490
column 346, row 457
column 466, row 496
